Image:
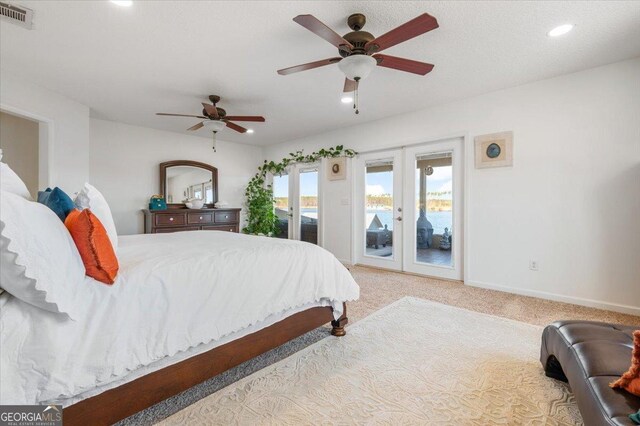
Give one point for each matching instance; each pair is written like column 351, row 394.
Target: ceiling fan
column 359, row 49
column 216, row 118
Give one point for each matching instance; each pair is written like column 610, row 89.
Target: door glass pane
column 379, row 208
column 309, row 206
column 434, row 208
column 281, row 197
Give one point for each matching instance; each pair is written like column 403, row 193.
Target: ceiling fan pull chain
column 214, row 141
column 355, row 95
column 355, row 99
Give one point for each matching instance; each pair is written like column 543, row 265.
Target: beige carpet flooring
column 379, row 288
column 412, row 362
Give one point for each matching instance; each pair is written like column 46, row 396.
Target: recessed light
column 346, row 99
column 249, row 130
column 125, row 3
column 560, row 30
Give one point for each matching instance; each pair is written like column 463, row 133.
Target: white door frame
column 456, row 270
column 394, row 261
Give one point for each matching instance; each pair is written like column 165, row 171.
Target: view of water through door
column 308, row 211
column 433, row 206
column 297, row 204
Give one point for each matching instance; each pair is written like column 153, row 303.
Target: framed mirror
column 181, row 180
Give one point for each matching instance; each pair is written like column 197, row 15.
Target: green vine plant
column 261, row 216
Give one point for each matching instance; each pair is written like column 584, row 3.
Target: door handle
column 399, row 218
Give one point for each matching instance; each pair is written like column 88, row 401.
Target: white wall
column 19, row 142
column 571, row 201
column 124, row 163
column 64, row 131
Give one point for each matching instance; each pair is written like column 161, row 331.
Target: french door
column 378, row 202
column 408, row 209
column 297, row 203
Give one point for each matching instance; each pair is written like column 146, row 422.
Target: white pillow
column 11, row 182
column 100, row 208
column 40, row 263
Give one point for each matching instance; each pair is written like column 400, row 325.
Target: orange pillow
column 94, row 245
column 630, row 381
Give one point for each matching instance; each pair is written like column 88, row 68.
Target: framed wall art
column 337, row 168
column 494, row 150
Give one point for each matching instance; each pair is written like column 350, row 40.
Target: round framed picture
column 493, row 150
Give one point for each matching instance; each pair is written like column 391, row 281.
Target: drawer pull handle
column 230, row 229
column 200, row 217
column 170, row 219
column 226, row 216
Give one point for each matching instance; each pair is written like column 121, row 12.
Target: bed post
column 338, row 325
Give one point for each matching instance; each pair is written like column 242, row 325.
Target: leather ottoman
column 590, row 355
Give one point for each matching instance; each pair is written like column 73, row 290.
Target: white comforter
column 173, row 292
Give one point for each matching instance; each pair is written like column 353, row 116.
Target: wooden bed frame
column 125, row 400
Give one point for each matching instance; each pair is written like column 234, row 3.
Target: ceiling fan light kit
column 359, row 49
column 357, row 67
column 214, row 126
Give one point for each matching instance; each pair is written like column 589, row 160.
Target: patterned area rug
column 412, row 362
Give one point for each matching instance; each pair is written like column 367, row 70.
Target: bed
column 185, row 307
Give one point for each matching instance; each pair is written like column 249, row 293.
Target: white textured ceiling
column 167, row 56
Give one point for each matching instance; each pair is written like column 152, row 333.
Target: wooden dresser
column 183, row 219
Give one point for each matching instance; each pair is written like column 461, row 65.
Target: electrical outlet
column 533, row 265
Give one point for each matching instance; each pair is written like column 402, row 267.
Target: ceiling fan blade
column 404, row 32
column 196, row 126
column 314, row 25
column 235, row 127
column 245, row 118
column 309, row 66
column 349, row 85
column 179, row 115
column 211, row 110
column 402, row 64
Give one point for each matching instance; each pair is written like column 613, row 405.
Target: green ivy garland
column 261, row 217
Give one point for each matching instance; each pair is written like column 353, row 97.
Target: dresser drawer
column 226, row 217
column 228, row 228
column 170, row 219
column 194, row 218
column 182, row 228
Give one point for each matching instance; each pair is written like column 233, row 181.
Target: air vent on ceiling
column 17, row 14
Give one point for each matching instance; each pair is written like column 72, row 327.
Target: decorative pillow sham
column 57, row 200
column 40, row 262
column 99, row 207
column 94, row 245
column 630, row 381
column 11, row 182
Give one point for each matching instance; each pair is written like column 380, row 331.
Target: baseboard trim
column 624, row 309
